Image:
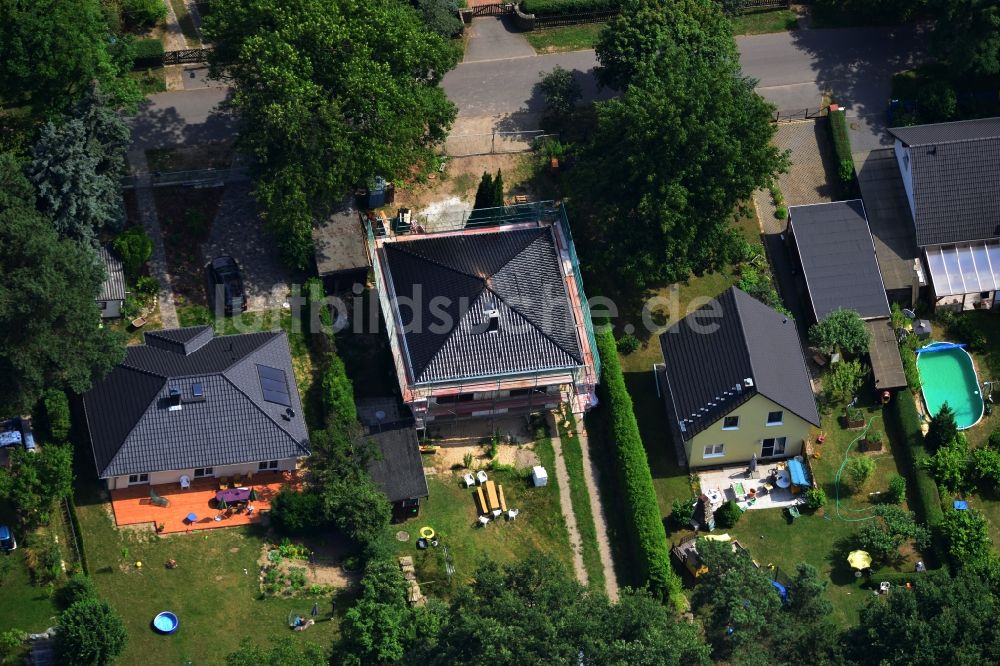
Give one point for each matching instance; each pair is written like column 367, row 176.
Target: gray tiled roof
column 956, row 180
column 838, row 258
column 132, row 430
column 743, row 339
column 454, row 280
column 400, row 472
column 113, row 288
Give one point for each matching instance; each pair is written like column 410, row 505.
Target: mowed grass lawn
column 22, row 605
column 213, row 590
column 451, row 512
column 766, row 21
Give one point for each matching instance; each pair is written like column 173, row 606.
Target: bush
column 986, row 462
column 843, row 380
column 90, row 633
column 682, row 511
column 135, row 247
column 441, row 16
column 781, row 212
column 728, row 515
column 628, row 343
column 147, row 287
column 942, row 429
column 859, row 469
column 143, row 13
column 555, row 7
column 842, row 149
column 648, row 534
column 966, row 534
column 841, row 329
column 904, row 418
column 148, row 54
column 815, row 498
column 950, row 464
column 295, row 512
column 897, row 489
column 57, row 417
column 909, row 358
column 78, row 588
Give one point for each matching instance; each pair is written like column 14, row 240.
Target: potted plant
column 160, row 527
column 854, row 417
column 873, row 440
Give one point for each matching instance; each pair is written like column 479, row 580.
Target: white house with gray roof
column 951, row 174
column 188, row 403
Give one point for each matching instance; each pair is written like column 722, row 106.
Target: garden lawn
column 566, row 38
column 216, row 602
column 22, row 605
column 762, row 22
column 450, row 511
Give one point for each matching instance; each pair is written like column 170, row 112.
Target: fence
column 493, row 143
column 73, row 528
column 800, row 114
column 753, row 5
column 185, row 56
column 558, row 20
column 494, row 9
column 198, row 178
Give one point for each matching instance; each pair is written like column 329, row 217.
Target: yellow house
column 735, row 383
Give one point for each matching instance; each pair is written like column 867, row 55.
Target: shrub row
column 148, row 53
column 649, row 536
column 559, row 7
column 842, row 149
column 57, row 418
column 78, row 533
column 907, row 423
column 901, row 578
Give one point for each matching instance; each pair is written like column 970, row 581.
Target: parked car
column 7, row 542
column 224, row 281
column 10, row 433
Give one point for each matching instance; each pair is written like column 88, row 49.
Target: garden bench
column 154, row 498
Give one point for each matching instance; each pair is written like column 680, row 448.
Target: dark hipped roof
column 133, row 431
column 724, row 353
column 400, row 472
column 113, row 287
column 838, row 258
column 514, row 272
column 956, row 171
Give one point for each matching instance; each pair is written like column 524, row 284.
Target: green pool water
column 949, row 376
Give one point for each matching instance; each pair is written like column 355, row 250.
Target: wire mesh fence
column 494, row 143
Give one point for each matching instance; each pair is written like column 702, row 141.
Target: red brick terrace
column 133, row 505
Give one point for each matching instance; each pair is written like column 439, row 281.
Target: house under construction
column 487, row 316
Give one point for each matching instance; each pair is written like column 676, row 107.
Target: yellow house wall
column 741, row 444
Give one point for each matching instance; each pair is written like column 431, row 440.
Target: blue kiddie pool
column 165, row 622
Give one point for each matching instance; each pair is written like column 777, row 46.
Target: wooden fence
column 185, row 56
column 493, row 9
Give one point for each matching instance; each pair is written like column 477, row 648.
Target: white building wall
column 174, row 476
column 906, row 172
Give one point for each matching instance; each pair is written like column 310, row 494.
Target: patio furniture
column 154, row 498
column 512, row 514
column 469, row 480
column 484, row 520
column 190, row 518
column 481, row 477
column 185, row 482
column 793, row 512
column 738, row 490
column 491, row 496
column 496, row 513
column 232, row 495
column 238, row 480
column 503, row 500
column 783, row 480
column 223, row 482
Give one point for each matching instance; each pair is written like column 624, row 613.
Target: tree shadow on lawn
column 841, row 573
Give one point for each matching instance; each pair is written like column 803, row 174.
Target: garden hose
column 836, row 481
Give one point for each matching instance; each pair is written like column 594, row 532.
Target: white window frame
column 731, row 416
column 774, row 446
column 771, row 424
column 139, row 479
column 205, row 472
column 714, row 451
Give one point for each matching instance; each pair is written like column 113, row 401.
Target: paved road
column 184, row 116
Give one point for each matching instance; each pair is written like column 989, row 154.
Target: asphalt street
column 499, row 78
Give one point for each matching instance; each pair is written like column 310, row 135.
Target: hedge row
column 842, row 149
column 559, row 7
column 649, row 536
column 907, row 424
column 78, row 533
column 148, row 53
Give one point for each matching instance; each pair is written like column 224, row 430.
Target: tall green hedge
column 559, row 7
column 842, row 149
column 906, row 421
column 650, row 538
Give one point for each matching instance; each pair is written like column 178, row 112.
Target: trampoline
column 165, row 622
column 948, row 375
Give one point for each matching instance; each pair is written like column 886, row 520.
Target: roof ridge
column 973, row 139
column 436, row 262
column 743, row 334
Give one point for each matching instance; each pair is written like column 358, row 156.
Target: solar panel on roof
column 274, row 385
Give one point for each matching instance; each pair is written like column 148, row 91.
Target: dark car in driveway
column 225, row 286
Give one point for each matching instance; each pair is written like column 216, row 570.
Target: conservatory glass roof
column 965, row 268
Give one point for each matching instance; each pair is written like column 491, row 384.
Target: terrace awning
column 965, row 268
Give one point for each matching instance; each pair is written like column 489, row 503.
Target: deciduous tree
column 331, row 94
column 967, row 534
column 33, row 482
column 967, row 35
column 48, row 331
column 841, row 329
column 91, row 633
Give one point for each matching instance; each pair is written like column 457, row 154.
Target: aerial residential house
column 951, row 174
column 112, row 293
column 834, row 250
column 487, row 319
column 190, row 404
column 735, row 383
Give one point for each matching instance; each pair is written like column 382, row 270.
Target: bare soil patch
column 186, row 215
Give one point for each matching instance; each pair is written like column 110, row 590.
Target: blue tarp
column 781, row 590
column 961, row 505
column 798, row 473
column 941, row 346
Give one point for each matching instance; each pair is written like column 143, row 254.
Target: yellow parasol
column 859, row 559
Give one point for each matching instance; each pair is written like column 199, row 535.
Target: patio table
column 233, row 495
column 738, row 490
column 783, row 480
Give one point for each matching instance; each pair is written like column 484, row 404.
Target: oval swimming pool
column 948, row 375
